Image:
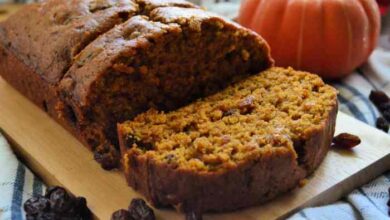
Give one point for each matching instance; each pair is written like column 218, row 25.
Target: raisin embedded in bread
column 239, row 147
column 91, row 64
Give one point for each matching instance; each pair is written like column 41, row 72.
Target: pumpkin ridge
column 349, row 28
column 300, row 37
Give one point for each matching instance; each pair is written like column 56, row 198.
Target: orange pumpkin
column 327, row 37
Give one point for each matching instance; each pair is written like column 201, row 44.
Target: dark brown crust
column 35, row 88
column 251, row 183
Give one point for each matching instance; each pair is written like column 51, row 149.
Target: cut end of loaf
column 240, row 147
column 264, row 115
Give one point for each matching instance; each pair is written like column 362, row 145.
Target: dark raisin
column 36, row 204
column 382, row 124
column 384, row 106
column 57, row 204
column 107, row 156
column 189, row 127
column 30, row 217
column 130, row 140
column 51, row 189
column 193, row 216
column 140, row 210
column 378, row 97
column 124, row 15
column 229, row 112
column 121, row 215
column 247, row 105
column 386, row 114
column 81, row 209
column 60, row 200
column 48, row 216
column 145, row 146
column 346, row 141
column 135, row 141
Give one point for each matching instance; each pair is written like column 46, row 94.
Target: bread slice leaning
column 242, row 146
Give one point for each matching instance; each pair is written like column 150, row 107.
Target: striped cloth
column 17, row 183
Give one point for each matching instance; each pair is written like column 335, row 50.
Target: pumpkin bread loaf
column 93, row 63
column 239, row 147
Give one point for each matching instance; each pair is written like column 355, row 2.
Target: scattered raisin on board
column 346, row 141
column 382, row 101
column 121, row 214
column 56, row 204
column 107, row 156
column 138, row 210
column 382, row 124
column 378, row 97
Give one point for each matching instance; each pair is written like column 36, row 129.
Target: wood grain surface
column 58, row 158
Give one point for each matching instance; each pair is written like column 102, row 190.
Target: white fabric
column 17, row 184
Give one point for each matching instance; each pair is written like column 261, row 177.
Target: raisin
column 124, row 15
column 48, row 216
column 384, row 106
column 81, row 209
column 57, row 204
column 30, row 217
column 193, row 216
column 140, row 210
column 189, row 127
column 382, row 102
column 51, row 189
column 378, row 97
column 247, row 105
column 107, row 156
column 386, row 114
column 60, row 200
column 346, row 141
column 145, row 146
column 382, row 124
column 132, row 140
column 36, row 204
column 229, row 112
column 121, row 215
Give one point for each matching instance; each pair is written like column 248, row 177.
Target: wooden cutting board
column 58, row 158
